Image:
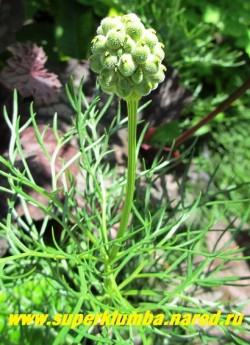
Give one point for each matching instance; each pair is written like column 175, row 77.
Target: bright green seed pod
column 150, row 38
column 130, row 17
column 109, row 60
column 158, row 50
column 151, row 66
column 95, row 63
column 129, row 44
column 127, row 57
column 98, row 44
column 154, row 86
column 123, row 87
column 137, row 76
column 144, row 88
column 107, row 78
column 108, row 90
column 115, row 38
column 99, row 31
column 134, row 29
column 140, row 52
column 119, row 53
column 126, row 65
column 133, row 26
column 108, row 24
column 159, row 76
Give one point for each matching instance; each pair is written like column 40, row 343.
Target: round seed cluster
column 127, row 57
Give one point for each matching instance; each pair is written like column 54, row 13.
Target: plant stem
column 113, row 290
column 221, row 107
column 132, row 105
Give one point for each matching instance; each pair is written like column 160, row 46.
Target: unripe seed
column 140, row 53
column 144, row 88
column 123, row 87
column 109, row 60
column 159, row 76
column 154, row 86
column 115, row 38
column 119, row 52
column 126, row 65
column 99, row 31
column 130, row 17
column 95, row 63
column 134, row 28
column 129, row 44
column 98, row 44
column 109, row 23
column 151, row 66
column 137, row 76
column 158, row 51
column 107, row 89
column 150, row 38
column 107, row 78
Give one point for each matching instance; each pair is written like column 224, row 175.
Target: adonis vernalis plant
column 71, row 265
column 128, row 58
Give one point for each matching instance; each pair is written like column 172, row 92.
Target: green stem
column 113, row 290
column 132, row 105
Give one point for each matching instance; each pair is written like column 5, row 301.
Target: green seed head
column 127, row 56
